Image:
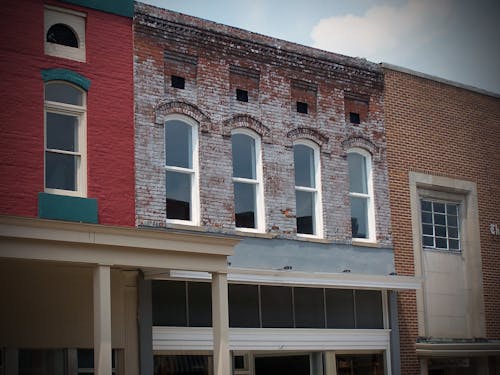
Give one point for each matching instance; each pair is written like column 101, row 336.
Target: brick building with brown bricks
column 443, row 151
column 283, row 147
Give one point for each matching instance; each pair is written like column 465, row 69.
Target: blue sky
column 453, row 39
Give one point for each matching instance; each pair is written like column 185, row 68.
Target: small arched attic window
column 62, row 34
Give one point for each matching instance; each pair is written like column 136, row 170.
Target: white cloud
column 383, row 30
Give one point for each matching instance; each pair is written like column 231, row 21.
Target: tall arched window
column 247, row 180
column 361, row 194
column 307, row 188
column 65, row 144
column 181, row 169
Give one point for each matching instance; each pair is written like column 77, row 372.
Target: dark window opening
column 243, row 306
column 242, row 95
column 181, row 364
column 63, row 35
column 290, row 365
column 239, row 362
column 277, row 307
column 178, row 82
column 302, row 107
column 354, row 118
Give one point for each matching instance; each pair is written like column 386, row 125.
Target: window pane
column 63, row 93
column 369, row 309
column 451, row 209
column 440, row 231
column 181, row 365
column 169, row 303
column 428, row 241
column 200, row 304
column 426, row 205
column 309, row 308
column 60, row 171
column 427, row 217
column 453, row 221
column 453, row 232
column 359, row 217
column 339, row 308
column 62, row 34
column 243, row 306
column 276, row 307
column 305, row 211
column 289, row 365
column 304, row 166
column 244, row 205
column 441, row 243
column 454, row 244
column 62, row 132
column 357, row 173
column 243, row 156
column 41, row 362
column 439, row 207
column 178, row 144
column 360, row 364
column 439, row 219
column 427, row 229
column 178, row 189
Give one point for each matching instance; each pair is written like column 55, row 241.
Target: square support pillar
column 102, row 320
column 220, row 318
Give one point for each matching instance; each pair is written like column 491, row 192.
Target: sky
column 458, row 40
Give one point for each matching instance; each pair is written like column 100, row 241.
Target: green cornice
column 119, row 7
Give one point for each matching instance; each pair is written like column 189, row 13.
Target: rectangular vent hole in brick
column 242, row 95
column 301, row 107
column 354, row 117
column 178, row 82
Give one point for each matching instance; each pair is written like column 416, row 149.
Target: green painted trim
column 63, row 207
column 61, row 74
column 120, row 7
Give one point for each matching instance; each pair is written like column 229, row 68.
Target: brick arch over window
column 362, row 143
column 246, row 121
column 163, row 109
column 310, row 134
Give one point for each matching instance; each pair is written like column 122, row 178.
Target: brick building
column 69, row 250
column 283, row 147
column 443, row 156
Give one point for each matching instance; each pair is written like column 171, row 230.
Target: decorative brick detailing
column 363, row 143
column 246, row 121
column 163, row 109
column 311, row 134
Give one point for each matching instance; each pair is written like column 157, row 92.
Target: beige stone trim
column 465, row 349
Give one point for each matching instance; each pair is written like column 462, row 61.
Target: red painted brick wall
column 442, row 130
column 110, row 127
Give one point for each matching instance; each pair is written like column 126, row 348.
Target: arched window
column 307, row 188
column 65, row 145
column 62, row 34
column 247, row 180
column 181, row 169
column 361, row 194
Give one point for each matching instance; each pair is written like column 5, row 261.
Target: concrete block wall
column 277, row 74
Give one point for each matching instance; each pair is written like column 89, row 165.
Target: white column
column 102, row 320
column 220, row 319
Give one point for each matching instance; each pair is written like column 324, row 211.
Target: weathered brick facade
column 442, row 129
column 215, row 60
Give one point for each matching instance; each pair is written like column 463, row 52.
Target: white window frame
column 81, row 113
column 431, row 197
column 258, row 182
column 194, row 171
column 72, row 19
column 371, row 238
column 318, row 206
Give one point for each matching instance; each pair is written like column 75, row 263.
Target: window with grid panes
column 440, row 225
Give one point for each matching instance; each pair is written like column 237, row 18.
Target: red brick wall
column 443, row 130
column 110, row 127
